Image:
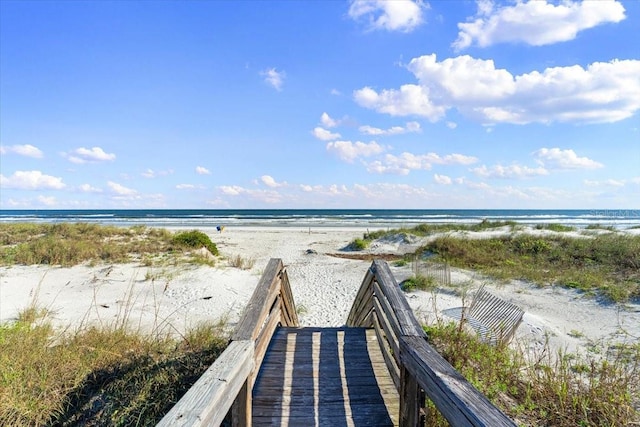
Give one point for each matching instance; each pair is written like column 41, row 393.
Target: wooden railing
column 416, row 368
column 228, row 383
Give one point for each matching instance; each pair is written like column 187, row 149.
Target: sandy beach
column 173, row 299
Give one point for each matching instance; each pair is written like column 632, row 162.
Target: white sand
column 176, row 298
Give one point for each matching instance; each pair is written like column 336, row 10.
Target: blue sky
column 319, row 104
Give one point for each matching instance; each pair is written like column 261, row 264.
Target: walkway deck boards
column 324, row 377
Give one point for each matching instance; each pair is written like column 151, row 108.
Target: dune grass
column 68, row 244
column 563, row 390
column 97, row 375
column 605, row 265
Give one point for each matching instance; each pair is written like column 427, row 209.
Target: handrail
column 415, row 367
column 228, row 383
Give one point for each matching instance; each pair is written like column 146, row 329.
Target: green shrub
column 358, row 244
column 419, row 282
column 195, row 239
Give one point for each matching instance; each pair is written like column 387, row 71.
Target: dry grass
column 545, row 389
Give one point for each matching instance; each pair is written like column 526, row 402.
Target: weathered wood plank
column 389, row 325
column 409, row 326
column 390, row 362
column 260, row 302
column 289, row 306
column 210, row 398
column 458, row 401
column 360, row 303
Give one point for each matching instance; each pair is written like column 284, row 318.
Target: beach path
column 324, row 376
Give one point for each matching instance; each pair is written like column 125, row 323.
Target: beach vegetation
column 358, row 244
column 243, row 263
column 600, row 227
column 559, row 228
column 604, row 265
column 97, row 375
column 547, row 387
column 68, row 244
column 419, row 282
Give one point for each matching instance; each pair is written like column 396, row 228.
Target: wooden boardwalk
column 378, row 370
column 324, row 377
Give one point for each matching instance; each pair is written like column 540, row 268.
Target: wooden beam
column 208, row 401
column 456, row 399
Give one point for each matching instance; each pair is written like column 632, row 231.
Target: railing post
column 409, row 399
column 241, row 410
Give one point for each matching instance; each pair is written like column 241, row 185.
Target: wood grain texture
column 210, row 398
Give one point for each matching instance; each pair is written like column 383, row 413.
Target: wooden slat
column 409, row 326
column 289, row 306
column 260, row 303
column 361, row 297
column 384, row 305
column 458, row 401
column 209, row 399
column 390, row 362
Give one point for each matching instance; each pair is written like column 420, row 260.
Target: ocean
column 369, row 218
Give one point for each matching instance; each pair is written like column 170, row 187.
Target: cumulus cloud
column 555, row 158
column 535, row 22
column 410, row 99
column 603, row 92
column 509, row 172
column 121, row 190
column 327, row 121
column 606, row 183
column 201, row 170
column 324, row 134
column 406, row 162
column 397, row 15
column 270, row 182
column 150, row 173
column 84, row 155
column 26, row 150
column 31, row 180
column 88, row 188
column 442, row 179
column 349, row 151
column 274, row 78
column 231, row 190
column 411, row 127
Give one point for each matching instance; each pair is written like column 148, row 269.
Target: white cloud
column 189, row 187
column 26, row 150
column 397, row 15
column 31, row 180
column 606, row 183
column 121, row 190
column 536, row 22
column 327, row 121
column 406, row 162
column 274, row 78
column 150, row 173
column 509, row 172
column 452, row 125
column 555, row 158
column 411, row 127
column 88, row 188
column 442, row 179
column 47, row 200
column 603, row 92
column 349, row 151
column 408, row 100
column 231, row 190
column 201, row 170
column 270, row 182
column 89, row 155
column 324, row 134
